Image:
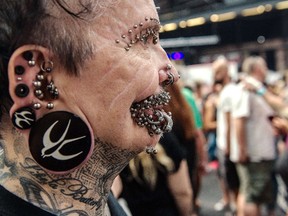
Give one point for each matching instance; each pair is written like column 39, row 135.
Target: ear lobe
column 23, row 68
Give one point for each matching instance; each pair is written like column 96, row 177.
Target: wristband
column 261, row 91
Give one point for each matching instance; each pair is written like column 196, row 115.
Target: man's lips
column 149, row 113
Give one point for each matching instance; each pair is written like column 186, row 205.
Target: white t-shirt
column 225, row 104
column 259, row 131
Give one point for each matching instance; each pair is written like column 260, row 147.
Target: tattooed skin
column 82, row 192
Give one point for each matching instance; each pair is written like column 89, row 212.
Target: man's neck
column 85, row 190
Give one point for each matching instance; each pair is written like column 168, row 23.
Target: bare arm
column 117, row 186
column 228, row 132
column 181, row 189
column 241, row 139
column 209, row 116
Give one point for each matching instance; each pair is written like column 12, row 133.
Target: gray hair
column 59, row 25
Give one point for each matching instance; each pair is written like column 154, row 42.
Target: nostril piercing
column 170, row 79
column 169, row 66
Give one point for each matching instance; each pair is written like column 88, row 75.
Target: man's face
column 117, row 77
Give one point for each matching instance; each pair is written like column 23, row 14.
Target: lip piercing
column 170, row 79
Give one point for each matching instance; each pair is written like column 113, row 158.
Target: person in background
column 200, row 142
column 255, row 137
column 158, row 184
column 75, row 80
column 184, row 128
column 210, row 103
column 226, row 151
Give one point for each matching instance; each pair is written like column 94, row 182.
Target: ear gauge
column 28, row 56
column 22, row 90
column 24, row 118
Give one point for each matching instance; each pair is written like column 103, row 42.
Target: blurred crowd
column 238, row 127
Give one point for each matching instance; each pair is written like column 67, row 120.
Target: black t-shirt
column 11, row 205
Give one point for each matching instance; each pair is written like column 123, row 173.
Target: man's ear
column 25, row 73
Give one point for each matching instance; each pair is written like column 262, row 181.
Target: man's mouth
column 149, row 113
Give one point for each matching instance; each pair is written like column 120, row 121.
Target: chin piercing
column 151, row 150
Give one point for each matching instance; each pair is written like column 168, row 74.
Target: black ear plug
column 19, row 70
column 28, row 55
column 22, row 90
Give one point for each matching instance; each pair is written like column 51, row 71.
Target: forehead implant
column 141, row 32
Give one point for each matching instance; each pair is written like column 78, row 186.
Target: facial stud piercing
column 19, row 78
column 19, row 70
column 22, row 90
column 40, row 77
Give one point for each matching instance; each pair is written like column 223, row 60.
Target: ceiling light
column 282, row 5
column 253, row 11
column 170, row 27
column 183, row 24
column 195, row 21
column 223, row 17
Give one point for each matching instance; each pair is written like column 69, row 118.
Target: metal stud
column 31, row 63
column 37, row 106
column 50, row 105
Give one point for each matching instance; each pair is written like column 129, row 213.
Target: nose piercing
column 170, row 79
column 169, row 67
